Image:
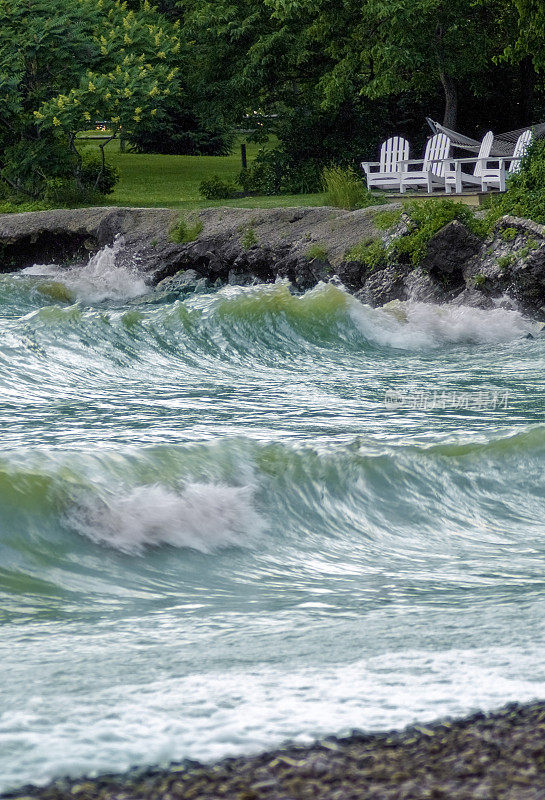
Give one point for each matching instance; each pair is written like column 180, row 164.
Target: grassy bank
column 173, row 181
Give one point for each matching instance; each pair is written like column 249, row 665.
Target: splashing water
column 202, row 517
column 101, row 279
column 409, row 324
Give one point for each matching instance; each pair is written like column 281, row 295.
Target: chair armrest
column 368, row 165
column 501, row 161
column 407, row 161
column 474, row 160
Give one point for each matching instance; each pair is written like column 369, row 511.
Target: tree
column 62, row 66
column 391, row 47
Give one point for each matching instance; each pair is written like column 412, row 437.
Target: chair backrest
column 484, row 152
column 392, row 151
column 438, row 147
column 522, row 145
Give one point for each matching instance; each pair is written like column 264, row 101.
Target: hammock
column 503, row 144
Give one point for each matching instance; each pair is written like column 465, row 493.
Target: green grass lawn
column 173, row 181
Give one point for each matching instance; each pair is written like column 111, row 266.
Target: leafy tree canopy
column 62, row 66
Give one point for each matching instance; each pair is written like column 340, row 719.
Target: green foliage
column 317, row 251
column 345, row 189
column 274, row 172
column 479, row 280
column 508, row 234
column 180, row 130
column 11, row 207
column 64, row 65
column 186, row 230
column 97, row 177
column 249, row 239
column 384, row 220
column 525, row 251
column 425, row 219
column 215, row 188
column 370, row 252
column 504, row 262
column 525, row 195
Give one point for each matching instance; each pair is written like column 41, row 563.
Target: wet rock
column 422, row 287
column 511, row 265
column 351, row 274
column 184, row 281
column 448, row 253
column 240, row 278
column 383, row 286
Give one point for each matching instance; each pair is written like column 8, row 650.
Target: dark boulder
column 448, row 252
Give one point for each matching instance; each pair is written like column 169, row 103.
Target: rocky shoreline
column 303, row 245
column 497, row 756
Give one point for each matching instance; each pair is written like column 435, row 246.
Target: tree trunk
column 451, row 101
column 449, row 85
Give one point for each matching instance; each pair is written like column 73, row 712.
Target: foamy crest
column 202, row 517
column 100, row 279
column 409, row 325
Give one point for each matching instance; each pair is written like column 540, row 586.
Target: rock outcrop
column 304, row 245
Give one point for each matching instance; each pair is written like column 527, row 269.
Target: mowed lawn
column 173, row 181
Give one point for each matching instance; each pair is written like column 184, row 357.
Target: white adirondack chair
column 385, row 174
column 432, row 166
column 496, row 175
column 456, row 179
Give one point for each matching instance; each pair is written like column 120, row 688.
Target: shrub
column 64, row 192
column 317, row 251
column 185, row 231
column 387, row 219
column 95, row 177
column 479, row 280
column 275, row 172
column 217, row 189
column 179, row 131
column 16, row 206
column 508, row 234
column 504, row 262
column 345, row 189
column 371, row 252
column 249, row 239
column 525, row 195
column 425, row 219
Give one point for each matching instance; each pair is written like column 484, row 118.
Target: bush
column 384, row 220
column 525, row 195
column 91, row 167
column 425, row 219
column 370, row 252
column 17, row 207
column 249, row 239
column 345, row 189
column 317, row 251
column 179, row 131
column 185, row 231
column 274, row 172
column 217, row 189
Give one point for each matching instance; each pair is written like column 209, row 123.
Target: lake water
column 243, row 516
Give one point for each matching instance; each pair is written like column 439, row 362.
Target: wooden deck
column 467, row 198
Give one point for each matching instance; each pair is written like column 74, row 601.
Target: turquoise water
column 241, row 517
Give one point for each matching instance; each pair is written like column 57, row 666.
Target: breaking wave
column 99, row 280
column 201, row 517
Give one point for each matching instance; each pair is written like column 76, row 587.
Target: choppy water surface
column 244, row 516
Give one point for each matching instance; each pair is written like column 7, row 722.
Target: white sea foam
column 202, row 517
column 101, row 279
column 409, row 325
